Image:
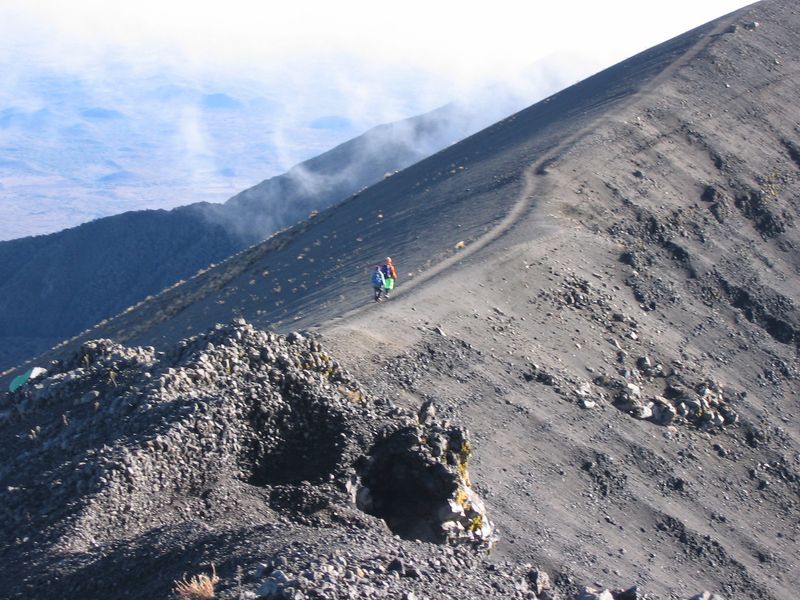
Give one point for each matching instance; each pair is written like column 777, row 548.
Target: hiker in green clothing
column 389, row 275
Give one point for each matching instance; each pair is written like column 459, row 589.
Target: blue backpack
column 377, row 279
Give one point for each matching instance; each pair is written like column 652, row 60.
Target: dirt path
column 535, row 175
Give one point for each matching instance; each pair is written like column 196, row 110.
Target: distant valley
column 74, row 148
column 54, row 286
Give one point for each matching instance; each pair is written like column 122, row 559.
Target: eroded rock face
column 416, row 479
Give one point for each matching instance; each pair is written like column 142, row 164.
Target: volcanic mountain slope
column 603, row 288
column 54, row 286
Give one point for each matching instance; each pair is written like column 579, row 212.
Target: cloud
column 201, row 99
column 220, row 101
column 331, row 122
column 365, row 62
column 464, row 42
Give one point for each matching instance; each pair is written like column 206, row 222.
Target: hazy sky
column 113, row 105
column 457, row 44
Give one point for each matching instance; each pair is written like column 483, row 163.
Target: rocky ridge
column 263, row 436
column 133, row 439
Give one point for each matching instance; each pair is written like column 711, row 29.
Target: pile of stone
column 652, row 408
column 590, row 593
column 99, row 367
column 706, row 406
column 579, row 294
column 703, row 404
column 131, row 439
column 335, row 575
column 641, row 386
column 339, row 577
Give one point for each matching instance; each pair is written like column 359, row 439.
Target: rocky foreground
column 126, row 468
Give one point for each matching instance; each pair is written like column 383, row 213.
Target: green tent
column 21, row 380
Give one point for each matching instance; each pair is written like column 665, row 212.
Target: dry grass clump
column 199, row 587
column 354, row 396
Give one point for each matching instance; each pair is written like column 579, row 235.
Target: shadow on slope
column 54, row 286
column 318, row 270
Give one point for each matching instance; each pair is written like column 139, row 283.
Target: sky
column 460, row 43
column 117, row 105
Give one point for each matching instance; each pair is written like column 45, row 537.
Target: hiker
column 389, row 275
column 378, row 282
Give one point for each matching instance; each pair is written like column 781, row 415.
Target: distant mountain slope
column 317, row 270
column 75, row 147
column 53, row 286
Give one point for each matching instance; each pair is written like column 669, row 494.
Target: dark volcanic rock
column 127, row 439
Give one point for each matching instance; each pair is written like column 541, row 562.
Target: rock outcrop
column 133, row 439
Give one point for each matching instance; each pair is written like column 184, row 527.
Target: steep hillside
column 603, row 289
column 54, row 286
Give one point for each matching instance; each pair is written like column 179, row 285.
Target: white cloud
column 365, row 63
column 368, row 61
column 464, row 42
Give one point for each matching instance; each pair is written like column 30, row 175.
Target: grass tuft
column 199, row 587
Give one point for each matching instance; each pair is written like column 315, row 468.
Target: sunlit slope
column 53, row 286
column 319, row 269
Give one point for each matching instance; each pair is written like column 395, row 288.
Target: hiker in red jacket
column 389, row 275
